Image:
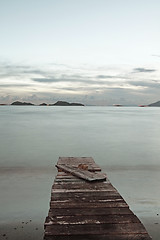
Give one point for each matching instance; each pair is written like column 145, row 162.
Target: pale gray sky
column 93, row 51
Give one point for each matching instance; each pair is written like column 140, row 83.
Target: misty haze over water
column 124, row 141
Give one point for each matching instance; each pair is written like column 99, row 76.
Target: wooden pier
column 85, row 206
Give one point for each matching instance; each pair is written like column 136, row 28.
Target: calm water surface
column 125, row 141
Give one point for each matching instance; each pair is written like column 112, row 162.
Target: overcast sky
column 99, row 52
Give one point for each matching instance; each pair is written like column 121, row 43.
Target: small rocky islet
column 58, row 103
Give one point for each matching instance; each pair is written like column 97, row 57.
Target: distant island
column 59, row 103
column 63, row 103
column 43, row 104
column 17, row 103
column 156, row 104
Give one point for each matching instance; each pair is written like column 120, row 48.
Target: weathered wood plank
column 75, row 161
column 111, row 204
column 100, row 229
column 76, row 180
column 84, row 198
column 92, row 219
column 72, row 203
column 65, row 180
column 64, row 174
column 62, row 194
column 77, row 201
column 79, row 186
column 84, row 210
column 89, row 211
column 84, row 174
column 101, row 237
column 66, row 191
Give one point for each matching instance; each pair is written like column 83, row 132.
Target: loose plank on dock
column 81, row 173
column 85, row 209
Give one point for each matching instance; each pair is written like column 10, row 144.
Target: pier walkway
column 85, row 206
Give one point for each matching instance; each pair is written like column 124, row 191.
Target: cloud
column 105, row 76
column 15, row 70
column 155, row 55
column 56, row 82
column 34, row 71
column 144, row 70
column 146, row 84
column 111, row 77
column 46, row 80
column 14, row 85
column 81, row 81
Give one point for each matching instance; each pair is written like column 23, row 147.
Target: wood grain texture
column 76, row 161
column 134, row 236
column 89, row 210
column 89, row 219
column 97, row 229
column 83, row 174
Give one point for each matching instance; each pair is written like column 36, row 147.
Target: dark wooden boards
column 76, row 220
column 88, row 211
column 83, row 210
column 95, row 229
column 76, row 161
column 84, row 174
column 101, row 237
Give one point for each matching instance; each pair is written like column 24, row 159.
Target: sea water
column 124, row 141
